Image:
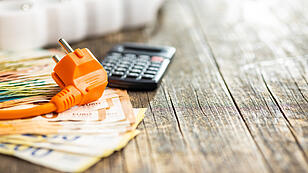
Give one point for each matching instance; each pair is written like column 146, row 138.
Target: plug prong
column 56, row 58
column 66, row 46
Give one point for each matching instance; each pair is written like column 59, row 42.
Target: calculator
column 136, row 66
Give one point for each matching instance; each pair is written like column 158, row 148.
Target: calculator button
column 112, row 57
column 117, row 73
column 108, row 68
column 138, row 67
column 153, row 69
column 110, row 60
column 132, row 75
column 135, row 71
column 116, row 54
column 109, row 64
column 147, row 76
column 122, row 66
column 125, row 62
column 157, row 59
column 130, row 55
column 155, row 66
column 151, row 72
column 126, row 58
column 144, row 57
column 142, row 63
column 121, row 69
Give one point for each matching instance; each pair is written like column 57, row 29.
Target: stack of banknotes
column 71, row 141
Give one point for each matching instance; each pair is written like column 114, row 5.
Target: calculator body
column 136, row 66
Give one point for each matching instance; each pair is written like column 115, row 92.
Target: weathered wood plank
column 235, row 40
column 218, row 135
column 287, row 86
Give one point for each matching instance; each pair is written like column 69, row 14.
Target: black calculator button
column 153, row 69
column 121, row 69
column 125, row 62
column 138, row 67
column 122, row 66
column 108, row 68
column 130, row 55
column 136, row 71
column 132, row 75
column 144, row 57
column 142, row 63
column 151, row 72
column 148, row 76
column 155, row 65
column 109, row 64
column 115, row 54
column 117, row 73
column 126, row 58
column 111, row 57
column 110, row 61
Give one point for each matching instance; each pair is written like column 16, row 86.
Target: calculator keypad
column 132, row 66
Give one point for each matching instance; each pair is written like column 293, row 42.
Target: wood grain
column 262, row 114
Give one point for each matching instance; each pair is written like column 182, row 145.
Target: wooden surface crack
column 289, row 125
column 175, row 114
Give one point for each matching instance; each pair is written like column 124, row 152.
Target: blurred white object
column 104, row 16
column 139, row 12
column 64, row 19
column 22, row 25
column 26, row 24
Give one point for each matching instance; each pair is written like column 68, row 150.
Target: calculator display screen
column 150, row 50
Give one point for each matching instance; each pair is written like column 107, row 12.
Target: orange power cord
column 30, row 112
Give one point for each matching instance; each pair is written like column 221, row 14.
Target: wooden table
column 234, row 100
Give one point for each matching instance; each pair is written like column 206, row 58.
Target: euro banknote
column 77, row 120
column 62, row 161
column 77, row 144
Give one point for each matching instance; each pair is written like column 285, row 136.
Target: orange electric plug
column 81, row 77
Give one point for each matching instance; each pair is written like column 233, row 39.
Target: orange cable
column 26, row 113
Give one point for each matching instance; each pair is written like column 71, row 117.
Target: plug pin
column 66, row 46
column 56, row 58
